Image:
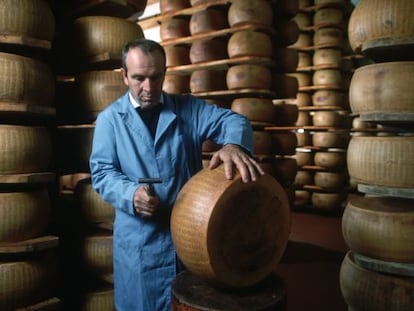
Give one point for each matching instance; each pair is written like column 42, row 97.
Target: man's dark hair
column 145, row 45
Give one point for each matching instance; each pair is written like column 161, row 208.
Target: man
column 148, row 133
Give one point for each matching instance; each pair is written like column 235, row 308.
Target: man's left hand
column 234, row 156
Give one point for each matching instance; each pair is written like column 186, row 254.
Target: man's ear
column 124, row 76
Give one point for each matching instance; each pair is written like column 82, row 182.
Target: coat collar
column 131, row 118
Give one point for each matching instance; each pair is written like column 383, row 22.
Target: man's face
column 145, row 76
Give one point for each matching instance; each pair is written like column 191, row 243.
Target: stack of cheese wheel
column 25, row 149
column 24, row 215
column 177, row 55
column 97, row 89
column 223, row 252
column 25, row 81
column 29, row 23
column 27, row 281
column 100, row 38
column 381, row 30
column 93, row 208
column 97, row 253
column 377, row 273
column 323, row 117
column 376, row 226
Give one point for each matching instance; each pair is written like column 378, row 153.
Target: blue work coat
column 123, row 151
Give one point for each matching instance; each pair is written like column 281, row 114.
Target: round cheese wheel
column 27, row 19
column 249, row 43
column 97, row 253
column 249, row 76
column 255, row 109
column 373, row 87
column 24, row 149
column 97, row 35
column 365, row 289
column 382, row 161
column 99, row 88
column 214, row 247
column 250, row 12
column 380, row 227
column 23, row 215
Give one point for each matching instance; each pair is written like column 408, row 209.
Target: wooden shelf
column 221, row 64
column 154, row 21
column 29, row 246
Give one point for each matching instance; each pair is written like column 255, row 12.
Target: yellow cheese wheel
column 382, row 161
column 99, row 88
column 208, row 50
column 23, row 215
column 101, row 299
column 365, row 289
column 249, row 43
column 380, row 227
column 24, row 149
column 93, row 208
column 255, row 109
column 250, row 12
column 219, row 250
column 176, row 84
column 97, row 253
column 381, row 24
column 173, row 28
column 249, row 76
column 207, row 20
column 26, row 282
column 25, row 80
column 204, row 80
column 177, row 55
column 28, row 19
column 97, row 35
column 373, row 87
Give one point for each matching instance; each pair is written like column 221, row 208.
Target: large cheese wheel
column 26, row 282
column 250, row 12
column 262, row 142
column 328, row 200
column 173, row 28
column 214, row 246
column 176, row 84
column 23, row 215
column 330, row 160
column 24, row 149
column 208, row 50
column 373, row 87
column 99, row 88
column 327, row 57
column 329, row 36
column 27, row 19
column 93, row 208
column 380, row 227
column 97, row 253
column 25, row 80
column 168, row 6
column 381, row 24
column 249, row 43
column 330, row 139
column 255, row 109
column 365, row 289
column 204, row 80
column 207, row 20
column 383, row 161
column 101, row 299
column 98, row 35
column 249, row 76
column 176, row 55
